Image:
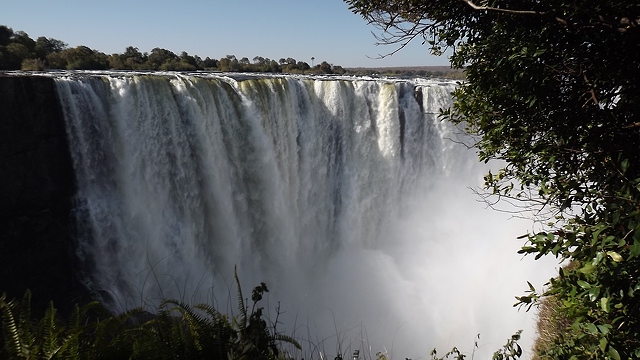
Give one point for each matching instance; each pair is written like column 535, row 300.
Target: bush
column 176, row 330
column 32, row 65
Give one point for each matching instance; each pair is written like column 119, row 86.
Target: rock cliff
column 36, row 193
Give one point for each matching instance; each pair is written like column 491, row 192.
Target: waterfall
column 346, row 196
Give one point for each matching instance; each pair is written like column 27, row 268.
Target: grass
column 552, row 322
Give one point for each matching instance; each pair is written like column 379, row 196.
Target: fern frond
column 220, row 333
column 12, row 344
column 208, row 309
column 25, row 328
column 111, row 336
column 70, row 347
column 169, row 331
column 79, row 327
column 193, row 322
column 241, row 306
column 187, row 311
column 287, row 339
column 25, row 316
column 49, row 333
column 71, row 343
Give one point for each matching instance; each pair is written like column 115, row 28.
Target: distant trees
column 229, row 63
column 19, row 51
column 131, row 59
column 45, row 46
column 17, row 47
column 84, row 58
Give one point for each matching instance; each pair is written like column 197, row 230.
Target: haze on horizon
column 301, row 29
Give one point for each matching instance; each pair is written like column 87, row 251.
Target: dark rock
column 36, row 194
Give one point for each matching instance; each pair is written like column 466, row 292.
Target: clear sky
column 301, row 29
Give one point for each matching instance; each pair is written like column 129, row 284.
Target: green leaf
column 615, row 256
column 603, row 343
column 591, row 328
column 624, row 165
column 604, row 329
column 594, row 293
column 616, row 217
column 583, row 284
column 613, row 353
column 611, row 238
column 604, row 304
column 634, row 249
column 588, row 269
column 598, row 258
column 531, row 287
column 596, row 234
column 539, row 52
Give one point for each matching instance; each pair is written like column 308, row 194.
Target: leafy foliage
column 553, row 91
column 510, row 351
column 19, row 51
column 177, row 330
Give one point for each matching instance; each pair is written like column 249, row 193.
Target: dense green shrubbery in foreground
column 175, row 331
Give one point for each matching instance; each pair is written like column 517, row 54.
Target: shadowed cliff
column 36, row 191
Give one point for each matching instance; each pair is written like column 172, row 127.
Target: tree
column 21, row 37
column 13, row 55
column 133, row 59
column 224, row 64
column 83, row 58
column 303, row 66
column 57, row 60
column 45, row 46
column 15, row 47
column 338, row 70
column 229, row 63
column 189, row 60
column 552, row 89
column 160, row 57
column 325, row 68
column 5, row 35
column 209, row 63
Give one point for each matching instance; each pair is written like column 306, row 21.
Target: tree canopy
column 19, row 51
column 553, row 89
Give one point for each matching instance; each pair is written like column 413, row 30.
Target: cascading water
column 346, row 196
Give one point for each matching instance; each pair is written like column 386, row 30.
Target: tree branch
column 511, row 12
column 507, row 11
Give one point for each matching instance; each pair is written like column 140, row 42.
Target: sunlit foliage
column 552, row 89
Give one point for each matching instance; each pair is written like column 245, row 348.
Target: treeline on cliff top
column 18, row 51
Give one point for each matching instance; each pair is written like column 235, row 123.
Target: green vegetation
column 176, row 330
column 19, row 52
column 553, row 91
column 441, row 72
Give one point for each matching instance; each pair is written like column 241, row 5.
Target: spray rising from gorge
column 346, row 196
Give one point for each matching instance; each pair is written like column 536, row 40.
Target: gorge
column 347, row 196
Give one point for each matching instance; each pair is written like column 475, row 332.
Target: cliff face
column 36, row 191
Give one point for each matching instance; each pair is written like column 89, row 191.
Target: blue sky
column 273, row 29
